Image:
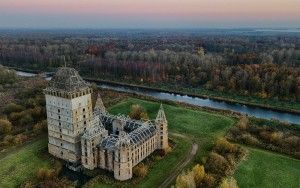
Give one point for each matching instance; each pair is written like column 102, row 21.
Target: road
column 180, row 167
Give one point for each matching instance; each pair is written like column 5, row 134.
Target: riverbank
column 220, row 99
column 288, row 115
column 280, row 107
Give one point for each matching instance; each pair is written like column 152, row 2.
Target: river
column 258, row 112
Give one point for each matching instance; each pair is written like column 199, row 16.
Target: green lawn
column 268, row 170
column 202, row 127
column 22, row 163
column 197, row 126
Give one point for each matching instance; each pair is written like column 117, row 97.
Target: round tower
column 123, row 159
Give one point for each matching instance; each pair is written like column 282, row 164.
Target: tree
column 199, row 174
column 140, row 170
column 229, row 183
column 12, row 107
column 5, row 126
column 186, row 180
column 138, row 112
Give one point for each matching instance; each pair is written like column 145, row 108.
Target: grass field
column 264, row 169
column 201, row 127
column 21, row 164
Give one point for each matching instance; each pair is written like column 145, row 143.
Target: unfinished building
column 93, row 138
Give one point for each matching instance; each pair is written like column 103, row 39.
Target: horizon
column 146, row 14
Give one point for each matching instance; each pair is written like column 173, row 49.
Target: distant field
column 22, row 163
column 264, row 169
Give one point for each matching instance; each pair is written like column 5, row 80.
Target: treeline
column 274, row 136
column 265, row 79
column 267, row 66
column 22, row 109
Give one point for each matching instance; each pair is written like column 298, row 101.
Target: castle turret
column 99, row 106
column 69, row 111
column 162, row 128
column 89, row 142
column 123, row 158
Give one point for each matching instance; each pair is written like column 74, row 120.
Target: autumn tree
column 199, row 173
column 185, row 180
column 140, row 170
column 138, row 112
column 5, row 126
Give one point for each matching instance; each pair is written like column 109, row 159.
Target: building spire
column 99, row 106
column 161, row 116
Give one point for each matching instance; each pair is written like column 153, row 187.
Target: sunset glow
column 149, row 13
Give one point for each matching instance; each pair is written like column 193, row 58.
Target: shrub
column 217, row 164
column 45, row 174
column 5, row 126
column 12, row 107
column 242, row 123
column 20, row 138
column 223, row 147
column 249, row 139
column 229, row 183
column 138, row 112
column 209, row 181
column 8, row 140
column 185, row 180
column 140, row 170
column 199, row 174
column 40, row 126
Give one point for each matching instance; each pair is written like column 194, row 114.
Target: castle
column 93, row 138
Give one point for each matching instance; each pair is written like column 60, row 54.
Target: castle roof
column 161, row 116
column 67, row 79
column 137, row 136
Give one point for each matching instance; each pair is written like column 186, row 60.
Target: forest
column 266, row 66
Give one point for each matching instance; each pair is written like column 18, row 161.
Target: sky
column 149, row 13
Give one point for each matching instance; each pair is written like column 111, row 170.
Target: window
column 83, row 116
column 59, row 130
column 59, row 123
column 58, row 110
column 61, row 153
column 84, row 122
column 58, row 117
column 83, row 109
column 61, row 144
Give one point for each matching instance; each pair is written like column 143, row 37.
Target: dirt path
column 180, row 167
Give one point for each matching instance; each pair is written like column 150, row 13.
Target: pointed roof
column 67, row 79
column 99, row 106
column 161, row 116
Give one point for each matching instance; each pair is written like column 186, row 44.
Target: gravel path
column 180, row 167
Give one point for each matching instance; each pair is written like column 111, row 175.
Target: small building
column 93, row 138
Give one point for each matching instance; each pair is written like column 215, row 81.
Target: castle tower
column 99, row 106
column 162, row 128
column 123, row 159
column 89, row 141
column 69, row 111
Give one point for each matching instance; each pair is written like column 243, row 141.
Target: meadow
column 264, row 169
column 21, row 164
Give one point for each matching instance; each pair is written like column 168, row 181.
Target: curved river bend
column 244, row 109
